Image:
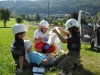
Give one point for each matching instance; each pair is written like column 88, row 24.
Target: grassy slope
column 89, row 59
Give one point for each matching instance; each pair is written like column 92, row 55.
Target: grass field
column 89, row 58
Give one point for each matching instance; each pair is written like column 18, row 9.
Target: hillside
column 61, row 6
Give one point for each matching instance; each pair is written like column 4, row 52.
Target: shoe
column 19, row 71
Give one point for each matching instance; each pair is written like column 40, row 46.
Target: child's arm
column 21, row 60
column 38, row 40
column 63, row 40
column 64, row 32
column 47, row 60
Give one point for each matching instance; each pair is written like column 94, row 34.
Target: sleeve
column 47, row 34
column 36, row 33
column 38, row 59
column 21, row 48
column 70, row 39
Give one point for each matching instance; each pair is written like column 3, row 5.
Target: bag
column 38, row 70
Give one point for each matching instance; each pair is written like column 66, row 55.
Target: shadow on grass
column 5, row 27
column 78, row 71
column 97, row 50
column 81, row 71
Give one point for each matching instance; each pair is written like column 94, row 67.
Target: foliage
column 22, row 15
column 5, row 15
column 29, row 17
column 89, row 58
column 37, row 17
column 60, row 6
column 11, row 23
column 55, row 22
column 74, row 15
column 19, row 19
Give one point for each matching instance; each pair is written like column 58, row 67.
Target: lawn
column 89, row 58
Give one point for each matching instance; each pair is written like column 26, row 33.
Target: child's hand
column 46, row 39
column 51, row 56
column 46, row 47
column 54, row 30
column 59, row 28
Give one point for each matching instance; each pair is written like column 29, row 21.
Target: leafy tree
column 19, row 19
column 98, row 14
column 5, row 15
column 29, row 17
column 37, row 17
column 73, row 15
column 55, row 23
column 60, row 6
column 22, row 15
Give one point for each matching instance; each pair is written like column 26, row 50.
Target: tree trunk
column 5, row 24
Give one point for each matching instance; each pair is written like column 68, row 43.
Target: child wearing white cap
column 41, row 38
column 36, row 57
column 17, row 47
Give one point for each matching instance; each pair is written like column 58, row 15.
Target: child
column 17, row 47
column 36, row 57
column 41, row 38
column 66, row 62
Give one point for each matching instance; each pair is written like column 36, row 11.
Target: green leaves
column 19, row 19
column 4, row 15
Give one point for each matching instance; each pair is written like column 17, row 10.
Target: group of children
column 22, row 49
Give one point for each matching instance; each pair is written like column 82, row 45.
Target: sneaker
column 19, row 71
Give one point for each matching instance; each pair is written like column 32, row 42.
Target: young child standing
column 68, row 60
column 41, row 37
column 17, row 47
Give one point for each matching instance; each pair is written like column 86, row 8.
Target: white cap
column 17, row 28
column 44, row 24
column 71, row 23
column 27, row 44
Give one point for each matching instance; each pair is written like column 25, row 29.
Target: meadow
column 89, row 58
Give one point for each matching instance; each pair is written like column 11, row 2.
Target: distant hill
column 56, row 6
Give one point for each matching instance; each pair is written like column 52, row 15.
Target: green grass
column 89, row 58
column 5, row 58
column 11, row 22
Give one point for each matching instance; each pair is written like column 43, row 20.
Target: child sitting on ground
column 38, row 58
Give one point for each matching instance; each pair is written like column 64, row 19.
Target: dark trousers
column 65, row 62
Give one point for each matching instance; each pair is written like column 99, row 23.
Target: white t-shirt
column 38, row 34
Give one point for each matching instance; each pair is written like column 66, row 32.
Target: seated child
column 36, row 57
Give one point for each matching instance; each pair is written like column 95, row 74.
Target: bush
column 19, row 19
column 55, row 23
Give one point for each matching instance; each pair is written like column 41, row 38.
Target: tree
column 19, row 19
column 37, row 17
column 73, row 15
column 22, row 15
column 98, row 14
column 5, row 15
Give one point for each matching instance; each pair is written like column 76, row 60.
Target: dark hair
column 73, row 29
column 16, row 35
